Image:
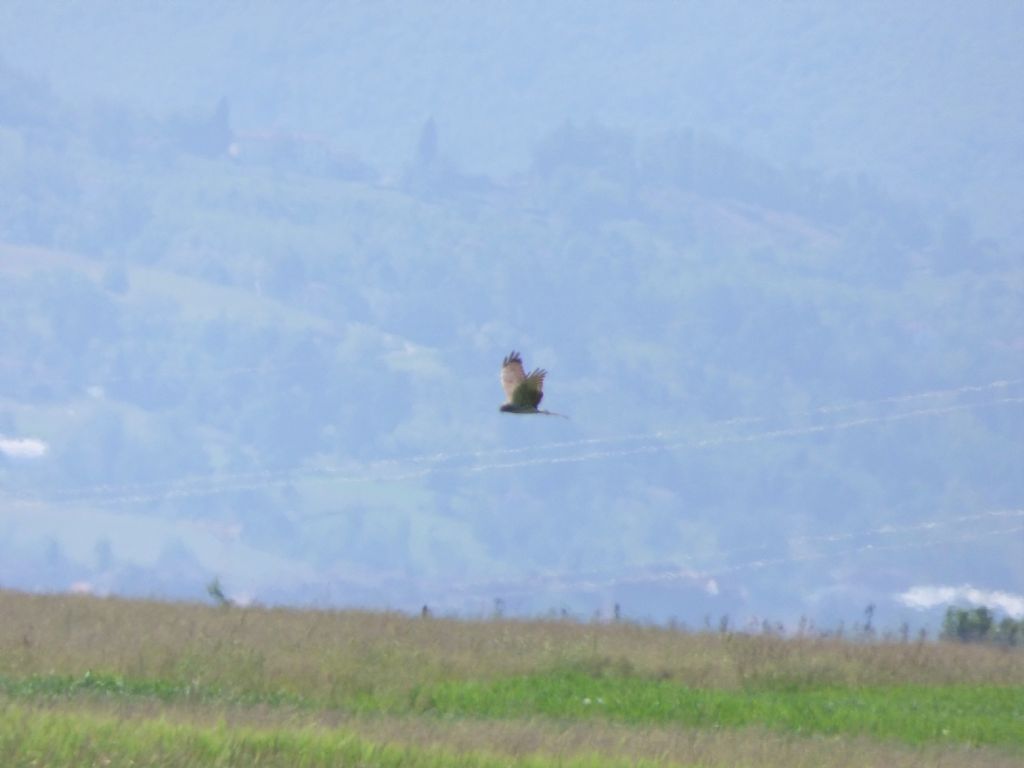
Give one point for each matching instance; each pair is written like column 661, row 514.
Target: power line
column 569, row 581
column 749, row 438
column 232, row 480
column 253, row 481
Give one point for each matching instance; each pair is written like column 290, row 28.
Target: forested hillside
column 921, row 94
column 262, row 351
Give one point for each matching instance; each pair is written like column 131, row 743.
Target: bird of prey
column 523, row 392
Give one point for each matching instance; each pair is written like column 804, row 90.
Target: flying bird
column 523, row 392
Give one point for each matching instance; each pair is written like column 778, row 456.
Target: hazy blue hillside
column 922, row 95
column 258, row 270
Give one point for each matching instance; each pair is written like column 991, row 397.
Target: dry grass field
column 86, row 680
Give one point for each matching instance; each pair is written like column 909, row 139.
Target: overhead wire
column 576, row 581
column 231, row 480
column 371, row 473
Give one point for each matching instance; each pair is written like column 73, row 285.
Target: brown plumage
column 523, row 392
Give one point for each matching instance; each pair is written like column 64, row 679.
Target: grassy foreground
column 48, row 738
column 86, row 681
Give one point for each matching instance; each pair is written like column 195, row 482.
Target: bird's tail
column 552, row 413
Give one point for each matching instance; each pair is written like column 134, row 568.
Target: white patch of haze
column 22, row 448
column 928, row 596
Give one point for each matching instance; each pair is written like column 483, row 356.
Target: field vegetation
column 88, row 681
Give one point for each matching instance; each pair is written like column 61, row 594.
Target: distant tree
column 104, row 554
column 1009, row 632
column 216, row 593
column 177, row 564
column 53, row 556
column 219, row 126
column 113, row 131
column 978, row 625
column 29, row 104
column 957, row 246
column 869, row 614
column 209, row 135
column 55, row 570
column 426, row 147
column 592, row 146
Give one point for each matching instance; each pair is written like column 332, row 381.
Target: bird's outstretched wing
column 531, row 390
column 512, row 375
column 520, row 389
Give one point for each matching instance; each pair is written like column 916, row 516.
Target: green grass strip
column 917, row 715
column 912, row 714
column 71, row 740
column 49, row 686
